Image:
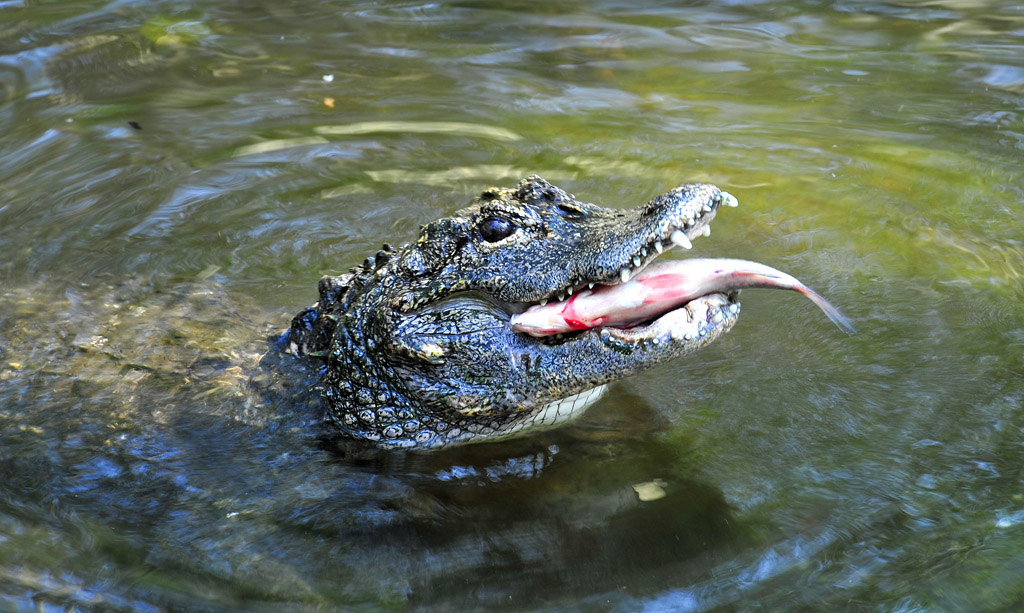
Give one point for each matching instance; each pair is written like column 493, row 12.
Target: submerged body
column 659, row 288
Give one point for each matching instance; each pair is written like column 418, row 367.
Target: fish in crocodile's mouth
column 655, row 289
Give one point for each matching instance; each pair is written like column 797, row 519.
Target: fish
column 661, row 287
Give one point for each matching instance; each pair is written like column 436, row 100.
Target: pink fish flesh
column 661, row 287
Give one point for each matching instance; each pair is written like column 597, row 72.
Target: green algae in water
column 172, row 32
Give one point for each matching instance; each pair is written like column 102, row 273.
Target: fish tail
column 826, row 307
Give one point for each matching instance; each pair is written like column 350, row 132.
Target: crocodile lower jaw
column 691, row 322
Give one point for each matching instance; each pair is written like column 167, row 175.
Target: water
column 175, row 178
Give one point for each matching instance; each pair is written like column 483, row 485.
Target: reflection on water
column 173, row 182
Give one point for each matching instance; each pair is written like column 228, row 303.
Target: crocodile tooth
column 680, row 239
column 643, row 251
column 569, row 291
column 561, row 297
column 624, row 274
column 659, row 246
column 729, row 200
column 636, row 261
column 590, row 285
column 706, row 231
column 543, row 302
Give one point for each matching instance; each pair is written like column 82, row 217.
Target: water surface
column 175, row 177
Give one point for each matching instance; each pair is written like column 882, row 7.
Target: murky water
column 174, row 178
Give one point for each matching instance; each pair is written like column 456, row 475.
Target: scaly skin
column 416, row 343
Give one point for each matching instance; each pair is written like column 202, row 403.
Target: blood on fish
column 570, row 317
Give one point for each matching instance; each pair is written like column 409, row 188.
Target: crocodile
column 415, row 344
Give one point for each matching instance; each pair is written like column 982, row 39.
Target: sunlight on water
column 423, row 127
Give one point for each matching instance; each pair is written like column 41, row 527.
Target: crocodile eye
column 568, row 210
column 493, row 229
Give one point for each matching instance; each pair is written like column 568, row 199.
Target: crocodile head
column 416, row 342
